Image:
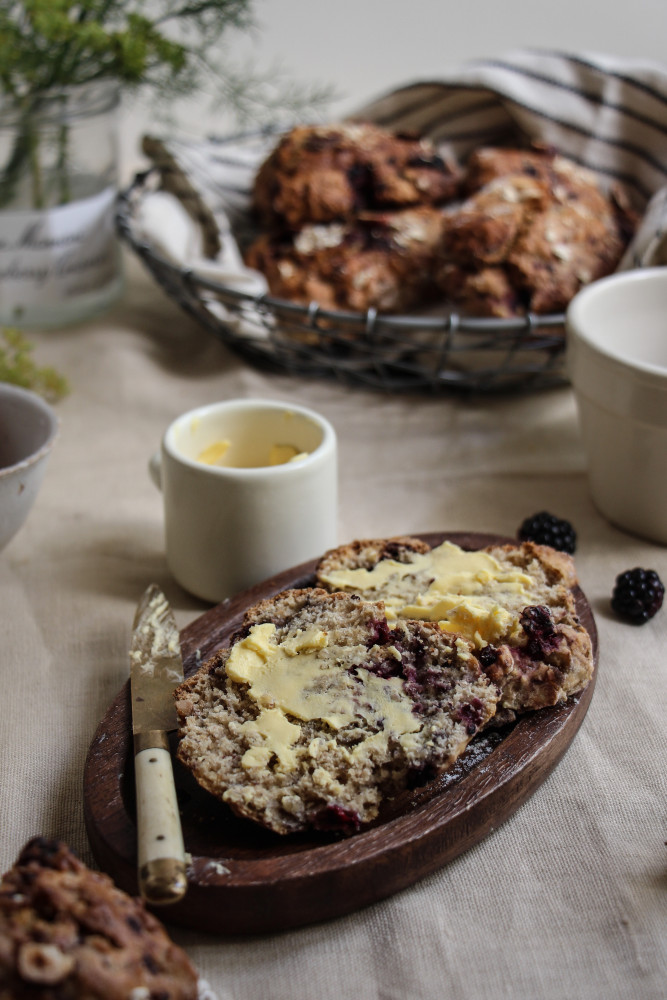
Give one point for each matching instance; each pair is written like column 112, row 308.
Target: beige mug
column 249, row 489
column 617, row 362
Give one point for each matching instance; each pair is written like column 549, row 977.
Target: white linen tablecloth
column 567, row 898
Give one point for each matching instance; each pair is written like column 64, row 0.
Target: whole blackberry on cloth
column 637, row 595
column 547, row 529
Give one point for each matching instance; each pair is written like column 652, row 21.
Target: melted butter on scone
column 462, row 591
column 302, row 678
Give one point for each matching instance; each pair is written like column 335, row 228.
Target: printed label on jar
column 53, row 256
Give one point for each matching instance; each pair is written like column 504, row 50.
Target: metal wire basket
column 392, row 353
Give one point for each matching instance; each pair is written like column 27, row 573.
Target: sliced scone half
column 320, row 709
column 513, row 603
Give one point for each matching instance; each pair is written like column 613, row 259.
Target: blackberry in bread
column 320, row 710
column 68, row 932
column 513, row 603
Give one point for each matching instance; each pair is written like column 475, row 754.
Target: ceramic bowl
column 617, row 363
column 28, row 429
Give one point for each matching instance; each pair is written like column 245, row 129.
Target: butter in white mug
column 279, row 454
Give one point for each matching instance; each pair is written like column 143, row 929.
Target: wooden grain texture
column 247, row 880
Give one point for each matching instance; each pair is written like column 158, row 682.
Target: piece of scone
column 487, row 163
column 382, row 261
column 330, row 173
column 485, row 291
column 320, row 710
column 535, row 228
column 68, row 932
column 514, row 603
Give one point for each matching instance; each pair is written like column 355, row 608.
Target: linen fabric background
column 565, row 899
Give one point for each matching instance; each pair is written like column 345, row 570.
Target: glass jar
column 60, row 260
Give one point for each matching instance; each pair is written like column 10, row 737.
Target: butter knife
column 156, row 669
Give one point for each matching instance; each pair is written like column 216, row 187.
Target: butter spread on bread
column 320, row 710
column 513, row 602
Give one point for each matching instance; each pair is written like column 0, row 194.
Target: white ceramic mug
column 229, row 526
column 617, row 363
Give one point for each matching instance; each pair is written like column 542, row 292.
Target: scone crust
column 366, row 553
column 68, row 932
column 341, row 775
column 328, row 173
column 383, row 261
column 517, row 230
column 535, row 222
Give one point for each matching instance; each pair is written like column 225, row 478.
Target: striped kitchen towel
column 608, row 114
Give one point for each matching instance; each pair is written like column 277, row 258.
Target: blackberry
column 546, row 529
column 337, row 819
column 537, row 623
column 488, row 655
column 471, row 715
column 637, row 595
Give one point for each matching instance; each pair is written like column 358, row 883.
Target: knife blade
column 156, row 669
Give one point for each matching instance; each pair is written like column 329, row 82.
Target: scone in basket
column 414, row 353
column 439, row 350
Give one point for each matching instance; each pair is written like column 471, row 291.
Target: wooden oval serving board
column 243, row 879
